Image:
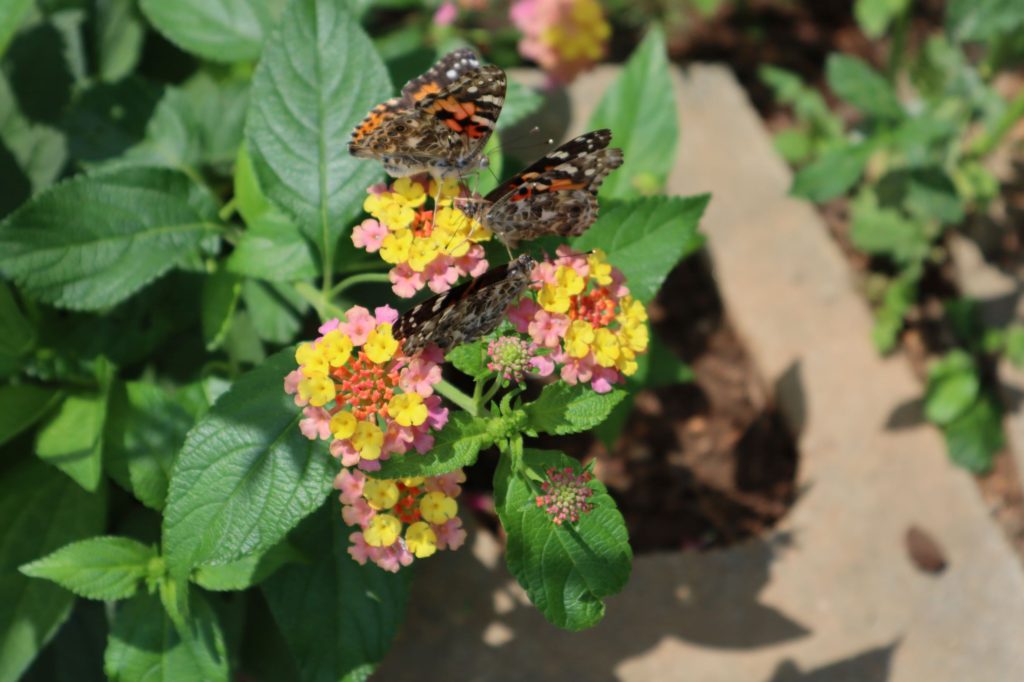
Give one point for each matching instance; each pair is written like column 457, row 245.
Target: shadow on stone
column 871, row 666
column 907, row 415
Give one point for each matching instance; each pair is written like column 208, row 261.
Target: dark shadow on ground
column 870, row 666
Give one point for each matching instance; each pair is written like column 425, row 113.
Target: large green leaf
column 336, row 615
column 72, row 440
column 247, row 571
column 246, row 474
column 93, row 241
column 562, row 408
column 103, row 568
column 11, row 14
column 275, row 310
column 17, row 334
column 857, row 83
column 983, row 20
column 875, row 16
column 22, row 406
column 566, row 569
column 76, row 653
column 119, row 33
column 886, row 231
column 145, row 645
column 319, row 76
column 953, row 387
column 145, row 429
column 219, row 30
column 832, row 173
column 42, row 510
column 640, row 109
column 974, row 437
column 457, row 446
column 108, row 118
column 646, row 238
column 40, row 150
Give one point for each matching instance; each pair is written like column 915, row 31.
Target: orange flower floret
column 366, row 387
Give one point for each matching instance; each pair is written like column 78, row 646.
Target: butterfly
column 439, row 124
column 467, row 312
column 557, row 195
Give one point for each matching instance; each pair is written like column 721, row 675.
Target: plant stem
column 324, row 308
column 227, row 210
column 456, row 396
column 989, row 140
column 362, row 278
column 491, row 390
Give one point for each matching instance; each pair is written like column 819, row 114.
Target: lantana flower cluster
column 425, row 247
column 359, row 390
column 400, row 520
column 566, row 495
column 583, row 312
column 564, row 37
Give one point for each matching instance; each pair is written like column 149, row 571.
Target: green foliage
column 22, row 406
column 220, row 30
column 246, row 572
column 563, row 409
column 875, row 16
column 863, row 87
column 976, row 436
column 454, row 448
column 101, row 568
column 566, row 570
column 953, row 387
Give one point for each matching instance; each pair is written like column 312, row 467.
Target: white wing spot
column 451, row 73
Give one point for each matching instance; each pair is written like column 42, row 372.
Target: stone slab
column 831, row 594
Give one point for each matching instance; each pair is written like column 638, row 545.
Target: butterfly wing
column 557, row 195
column 465, row 313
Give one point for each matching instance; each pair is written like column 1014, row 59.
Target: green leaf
column 646, row 238
column 145, row 429
column 562, row 408
column 218, row 107
column 983, row 20
column 17, row 334
column 272, row 247
column 927, row 193
column 318, row 77
column 337, row 616
column 146, row 645
column 276, row 311
column 17, row 186
column 39, row 54
column 566, row 570
column 76, row 653
column 953, row 387
column 875, row 16
column 455, row 447
column 93, row 241
column 640, row 108
column 22, row 406
column 832, row 173
column 247, row 571
column 246, row 474
column 885, row 231
column 221, row 291
column 109, row 118
column 852, row 80
column 119, row 32
column 72, row 440
column 975, row 436
column 470, row 359
column 218, row 30
column 11, row 14
column 1015, row 345
column 104, row 568
column 42, row 510
column 899, row 296
column 520, row 102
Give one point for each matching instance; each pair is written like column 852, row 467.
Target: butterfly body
column 467, row 312
column 439, row 124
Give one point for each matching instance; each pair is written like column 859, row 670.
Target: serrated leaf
column 72, row 440
column 832, row 173
column 470, row 359
column 338, row 617
column 247, row 571
column 43, row 510
column 221, row 291
column 119, row 33
column 953, row 387
column 640, row 109
column 145, row 644
column 93, row 241
column 566, row 569
column 456, row 446
column 520, row 102
column 108, row 118
column 852, row 80
column 145, row 429
column 246, row 474
column 562, row 408
column 218, row 30
column 886, row 231
column 22, row 406
column 276, row 311
column 974, row 437
column 646, row 238
column 271, row 247
column 318, row 77
column 104, row 568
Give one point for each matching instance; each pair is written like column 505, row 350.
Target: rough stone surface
column 831, row 595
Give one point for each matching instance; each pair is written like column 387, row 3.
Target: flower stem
column 324, row 308
column 456, row 396
column 489, row 393
column 227, row 210
column 362, row 278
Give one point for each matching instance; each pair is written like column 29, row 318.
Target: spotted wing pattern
column 556, row 195
column 440, row 123
column 465, row 313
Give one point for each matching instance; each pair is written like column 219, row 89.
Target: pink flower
column 394, row 557
column 547, row 329
column 420, row 376
column 450, row 534
column 357, row 513
column 447, row 483
column 358, row 324
column 440, row 275
column 350, row 483
column 446, row 14
column 291, row 386
column 369, row 235
column 405, row 281
column 543, row 364
column 437, row 413
column 522, row 314
column 385, row 314
column 329, row 326
column 317, row 423
column 343, row 450
column 564, row 37
column 358, row 549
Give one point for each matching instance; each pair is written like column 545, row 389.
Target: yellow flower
column 421, row 254
column 627, row 362
column 421, row 540
column 579, row 338
column 380, row 494
column 317, row 390
column 600, row 269
column 380, row 346
column 337, row 348
column 632, row 311
column 368, row 440
column 343, row 425
column 408, row 409
column 436, row 507
column 450, row 188
column 391, row 209
column 411, row 192
column 413, row 481
column 316, row 364
column 553, row 299
column 396, row 246
column 382, row 531
column 635, row 336
column 570, row 280
column 606, row 347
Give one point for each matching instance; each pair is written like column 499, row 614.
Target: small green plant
column 912, row 168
